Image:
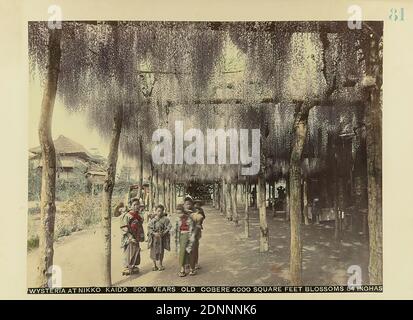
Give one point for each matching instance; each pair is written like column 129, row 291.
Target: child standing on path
column 131, row 225
column 158, row 237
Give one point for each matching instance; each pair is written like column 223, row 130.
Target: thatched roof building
column 67, row 147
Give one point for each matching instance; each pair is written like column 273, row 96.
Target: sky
column 73, row 125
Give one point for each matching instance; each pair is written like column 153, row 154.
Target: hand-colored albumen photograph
column 181, row 153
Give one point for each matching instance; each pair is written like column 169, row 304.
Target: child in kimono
column 159, row 237
column 184, row 239
column 198, row 217
column 131, row 224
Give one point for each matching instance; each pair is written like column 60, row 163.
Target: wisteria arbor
column 307, row 86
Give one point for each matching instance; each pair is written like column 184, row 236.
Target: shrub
column 34, row 182
column 78, row 213
column 63, row 231
column 33, row 242
column 71, row 186
column 34, row 210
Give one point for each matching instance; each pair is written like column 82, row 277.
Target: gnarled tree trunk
column 108, row 190
column 300, row 131
column 48, row 188
column 374, row 165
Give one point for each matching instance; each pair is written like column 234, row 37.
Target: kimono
column 198, row 218
column 184, row 238
column 158, row 245
column 131, row 224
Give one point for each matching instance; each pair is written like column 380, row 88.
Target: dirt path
column 226, row 258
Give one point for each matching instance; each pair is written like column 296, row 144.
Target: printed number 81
column 396, row 15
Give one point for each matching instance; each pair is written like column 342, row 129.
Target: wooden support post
column 287, row 199
column 214, row 196
column 223, row 193
column 246, row 212
column 264, row 235
column 234, row 203
column 228, row 202
column 157, row 188
column 305, row 201
column 150, row 204
column 163, row 188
